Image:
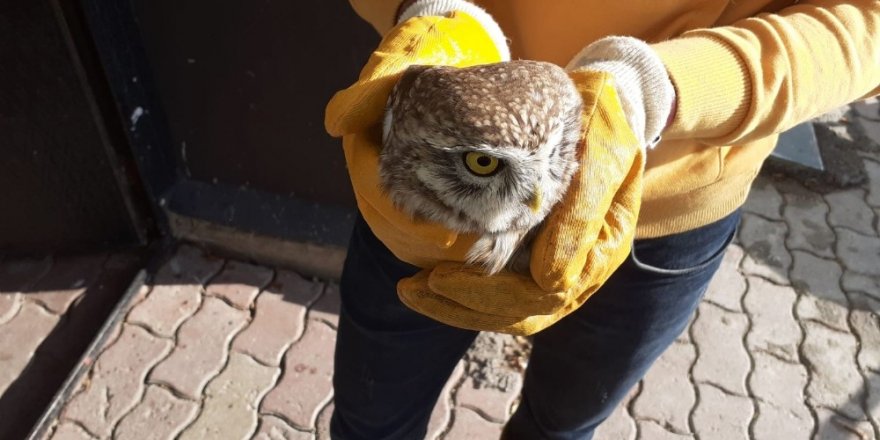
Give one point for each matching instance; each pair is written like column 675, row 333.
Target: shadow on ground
column 823, row 244
column 72, row 296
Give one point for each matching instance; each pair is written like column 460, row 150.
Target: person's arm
column 765, row 74
column 405, row 4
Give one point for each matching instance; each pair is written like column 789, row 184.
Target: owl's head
column 485, row 149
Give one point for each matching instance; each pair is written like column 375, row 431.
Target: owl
column 487, row 150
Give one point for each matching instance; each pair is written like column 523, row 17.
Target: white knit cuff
column 444, row 7
column 640, row 78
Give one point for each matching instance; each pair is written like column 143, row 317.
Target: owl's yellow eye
column 481, row 164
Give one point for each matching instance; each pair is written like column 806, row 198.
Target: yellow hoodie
column 743, row 70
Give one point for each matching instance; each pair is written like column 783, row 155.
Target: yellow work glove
column 356, row 113
column 583, row 241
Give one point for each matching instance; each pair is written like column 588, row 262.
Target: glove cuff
column 444, row 7
column 643, row 86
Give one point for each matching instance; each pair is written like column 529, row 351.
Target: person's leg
column 391, row 363
column 583, row 366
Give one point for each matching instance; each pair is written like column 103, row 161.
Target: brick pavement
column 786, row 344
column 50, row 310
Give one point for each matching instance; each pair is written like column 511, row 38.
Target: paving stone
column 490, row 362
column 780, row 386
column 867, row 108
column 834, row 427
column 441, row 415
column 620, row 424
column 15, row 276
column 19, row 340
column 202, row 345
column 279, row 318
column 166, row 307
column 66, row 281
column 306, row 384
column 69, row 431
column 722, row 359
column 764, row 199
column 722, row 416
column 239, row 283
column 650, row 430
column 667, row 392
column 836, row 382
column 858, row 252
column 764, row 244
column 866, row 324
column 231, row 400
column 856, row 282
column 60, row 349
column 116, row 330
column 809, row 231
column 112, row 336
column 818, row 281
column 326, row 309
column 685, row 336
column 158, row 416
column 140, row 295
column 273, row 428
column 849, row 210
column 117, row 380
column 774, row 328
column 871, row 128
column 872, row 169
column 871, row 154
column 492, row 403
column 323, row 428
column 864, row 302
column 773, row 422
column 10, row 302
column 873, row 401
column 189, row 265
column 468, row 425
column 728, row 285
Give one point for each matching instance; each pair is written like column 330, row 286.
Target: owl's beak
column 534, row 202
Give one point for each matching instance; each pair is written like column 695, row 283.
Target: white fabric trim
column 444, row 7
column 642, row 82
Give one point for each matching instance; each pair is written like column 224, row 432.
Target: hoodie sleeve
column 765, row 74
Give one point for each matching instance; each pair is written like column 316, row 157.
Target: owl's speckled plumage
column 524, row 113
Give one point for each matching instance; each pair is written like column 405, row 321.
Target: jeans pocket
column 688, row 252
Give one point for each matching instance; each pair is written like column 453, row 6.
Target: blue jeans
column 391, row 362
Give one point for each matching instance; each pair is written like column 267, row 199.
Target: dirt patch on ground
column 494, row 358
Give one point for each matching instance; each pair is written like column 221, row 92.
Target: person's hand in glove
column 647, row 99
column 584, row 239
column 640, row 78
column 452, row 33
column 590, row 233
